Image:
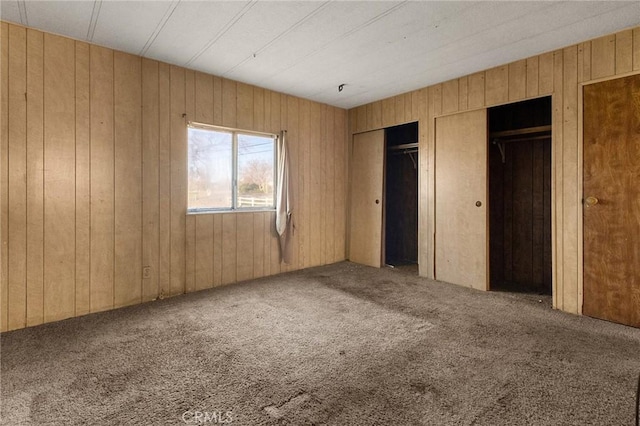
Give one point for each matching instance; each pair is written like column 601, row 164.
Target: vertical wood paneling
column 586, row 61
column 164, row 180
column 204, row 98
column 603, row 56
column 463, row 93
column 189, row 96
column 340, row 192
column 258, row 109
column 245, row 106
column 361, row 119
column 322, row 187
column 82, row 187
column 244, row 246
column 217, row 101
column 518, row 80
column 59, row 178
column 415, row 103
column 450, row 96
column 556, row 73
column 128, row 179
column 98, row 176
column 102, row 177
column 408, row 108
column 314, row 208
column 329, row 186
column 369, row 108
column 497, row 85
column 204, row 251
column 570, row 179
column 476, row 90
column 4, row 174
column 83, row 181
column 178, row 178
column 532, row 77
column 150, row 178
column 436, row 96
column 388, row 112
column 304, row 182
column 399, row 109
column 267, row 113
column 258, row 245
column 580, row 62
column 190, row 254
column 229, row 245
column 376, row 111
column 545, row 74
column 18, row 177
column 624, row 52
column 190, row 220
column 217, row 249
column 557, row 215
column 229, row 103
column 35, row 179
column 434, row 107
column 266, row 246
column 424, row 231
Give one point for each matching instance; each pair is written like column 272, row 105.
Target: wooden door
column 611, row 206
column 367, row 174
column 461, row 199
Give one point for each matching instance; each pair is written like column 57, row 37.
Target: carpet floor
column 337, row 345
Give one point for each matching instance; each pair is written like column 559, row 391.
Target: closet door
column 611, row 211
column 367, row 174
column 461, row 242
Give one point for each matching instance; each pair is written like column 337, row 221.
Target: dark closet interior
column 401, row 195
column 520, row 196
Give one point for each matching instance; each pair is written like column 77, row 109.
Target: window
column 230, row 169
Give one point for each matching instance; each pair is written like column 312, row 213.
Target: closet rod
column 403, row 147
column 518, row 132
column 527, row 138
column 404, row 151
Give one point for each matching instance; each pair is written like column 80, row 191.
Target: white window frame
column 234, row 168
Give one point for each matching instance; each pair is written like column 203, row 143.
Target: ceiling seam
column 347, row 34
column 22, row 9
column 426, row 52
column 479, row 54
column 158, row 29
column 93, row 22
column 222, row 32
column 279, row 36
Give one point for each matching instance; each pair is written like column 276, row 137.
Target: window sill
column 256, row 210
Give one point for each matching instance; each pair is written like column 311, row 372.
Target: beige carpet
column 337, row 345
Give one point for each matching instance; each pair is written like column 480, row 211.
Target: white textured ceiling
column 308, row 48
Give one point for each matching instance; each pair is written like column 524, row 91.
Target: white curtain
column 284, row 221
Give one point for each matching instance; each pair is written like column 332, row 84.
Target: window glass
column 223, row 160
column 255, row 171
column 210, row 169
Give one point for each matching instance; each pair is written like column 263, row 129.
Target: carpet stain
column 301, row 407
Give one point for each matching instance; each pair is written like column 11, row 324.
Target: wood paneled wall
column 94, row 180
column 558, row 73
column 520, row 216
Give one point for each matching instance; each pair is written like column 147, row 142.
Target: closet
column 401, row 195
column 520, row 196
